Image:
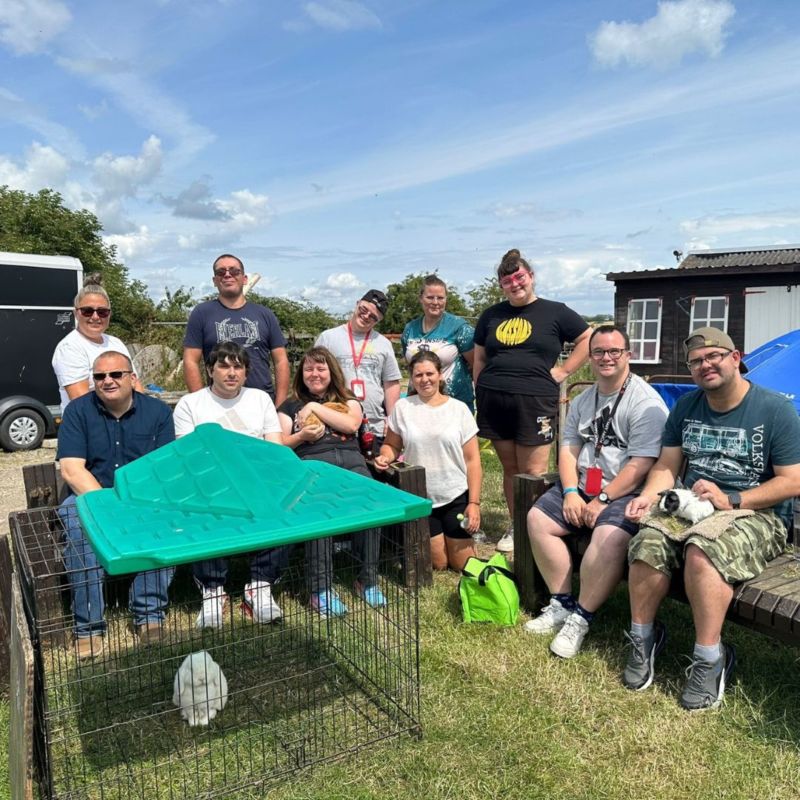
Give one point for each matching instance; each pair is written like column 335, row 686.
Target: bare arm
column 280, row 362
column 478, row 361
column 576, row 358
column 391, row 394
column 293, row 440
column 572, row 504
column 192, row 376
column 472, row 457
column 628, row 480
column 784, row 485
column 77, row 389
column 77, row 477
column 390, row 449
column 342, row 422
column 662, row 476
column 469, row 357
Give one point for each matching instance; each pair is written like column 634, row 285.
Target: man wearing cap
column 229, row 317
column 367, row 361
column 741, row 443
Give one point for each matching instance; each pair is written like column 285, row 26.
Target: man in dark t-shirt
column 230, row 318
column 741, row 444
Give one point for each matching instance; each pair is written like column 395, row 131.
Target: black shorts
column 444, row 519
column 552, row 504
column 522, row 418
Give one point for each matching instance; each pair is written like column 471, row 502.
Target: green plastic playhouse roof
column 216, row 493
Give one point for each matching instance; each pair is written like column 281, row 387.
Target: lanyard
column 357, row 361
column 601, row 433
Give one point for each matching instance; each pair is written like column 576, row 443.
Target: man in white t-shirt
column 611, row 439
column 367, row 360
column 227, row 402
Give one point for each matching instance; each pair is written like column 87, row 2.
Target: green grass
column 504, row 718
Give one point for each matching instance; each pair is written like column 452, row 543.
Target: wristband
column 473, row 502
column 565, row 492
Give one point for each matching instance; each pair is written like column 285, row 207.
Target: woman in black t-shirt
column 320, row 421
column 517, row 344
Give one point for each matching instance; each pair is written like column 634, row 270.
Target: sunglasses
column 234, row 272
column 89, row 311
column 368, row 314
column 116, row 375
column 517, row 277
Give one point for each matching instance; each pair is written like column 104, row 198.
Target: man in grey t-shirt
column 367, row 360
column 611, row 439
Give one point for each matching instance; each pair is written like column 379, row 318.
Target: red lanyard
column 357, row 361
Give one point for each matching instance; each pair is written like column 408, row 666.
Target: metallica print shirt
column 736, row 449
column 252, row 326
column 523, row 344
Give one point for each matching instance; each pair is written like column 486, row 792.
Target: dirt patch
column 12, row 489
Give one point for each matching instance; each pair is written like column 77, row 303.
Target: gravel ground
column 12, row 489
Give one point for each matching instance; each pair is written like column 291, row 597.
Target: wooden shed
column 751, row 293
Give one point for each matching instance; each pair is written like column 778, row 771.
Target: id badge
column 359, row 390
column 594, row 481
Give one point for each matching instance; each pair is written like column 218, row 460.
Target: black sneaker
column 705, row 683
column 639, row 672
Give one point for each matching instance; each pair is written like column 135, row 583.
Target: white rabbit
column 686, row 504
column 200, row 688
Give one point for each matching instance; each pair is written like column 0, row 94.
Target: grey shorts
column 552, row 504
column 740, row 552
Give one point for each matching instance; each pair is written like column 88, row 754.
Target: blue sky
column 337, row 145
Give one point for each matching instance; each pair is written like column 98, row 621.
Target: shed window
column 644, row 329
column 709, row 312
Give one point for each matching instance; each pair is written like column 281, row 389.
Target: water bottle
column 479, row 537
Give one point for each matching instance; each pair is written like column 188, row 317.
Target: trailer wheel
column 22, row 429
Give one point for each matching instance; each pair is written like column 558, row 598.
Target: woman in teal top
column 446, row 335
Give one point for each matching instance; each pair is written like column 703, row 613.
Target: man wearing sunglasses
column 611, row 439
column 367, row 360
column 231, row 318
column 100, row 432
column 741, row 444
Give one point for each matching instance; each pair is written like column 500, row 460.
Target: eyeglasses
column 517, row 277
column 89, row 311
column 364, row 311
column 712, row 358
column 613, row 352
column 99, row 377
column 234, row 272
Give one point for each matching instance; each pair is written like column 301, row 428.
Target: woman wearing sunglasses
column 517, row 345
column 76, row 352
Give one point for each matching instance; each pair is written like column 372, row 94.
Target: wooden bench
column 769, row 604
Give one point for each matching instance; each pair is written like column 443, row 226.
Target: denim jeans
column 148, row 596
column 265, row 565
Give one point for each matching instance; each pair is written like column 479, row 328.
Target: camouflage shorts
column 740, row 553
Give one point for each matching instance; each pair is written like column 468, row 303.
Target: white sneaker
column 570, row 638
column 553, row 616
column 506, row 541
column 212, row 613
column 259, row 604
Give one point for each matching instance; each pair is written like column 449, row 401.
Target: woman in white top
column 439, row 433
column 76, row 352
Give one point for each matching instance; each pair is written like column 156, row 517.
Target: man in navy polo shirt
column 101, row 431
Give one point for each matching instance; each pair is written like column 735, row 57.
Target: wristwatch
column 735, row 499
column 604, row 498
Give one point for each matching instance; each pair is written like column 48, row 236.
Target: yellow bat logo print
column 513, row 331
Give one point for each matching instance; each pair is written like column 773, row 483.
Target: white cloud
column 94, row 112
column 134, row 245
column 344, row 281
column 335, row 15
column 711, row 226
column 43, row 167
column 680, row 27
column 26, row 26
column 121, row 176
column 246, row 209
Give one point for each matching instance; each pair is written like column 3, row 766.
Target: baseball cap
column 710, row 337
column 379, row 299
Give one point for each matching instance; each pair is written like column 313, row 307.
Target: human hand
column 708, row 490
column 592, row 510
column 312, row 433
column 472, row 515
column 559, row 374
column 381, row 462
column 306, row 411
column 572, row 508
column 638, row 507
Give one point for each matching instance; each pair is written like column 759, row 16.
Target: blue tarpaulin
column 775, row 365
